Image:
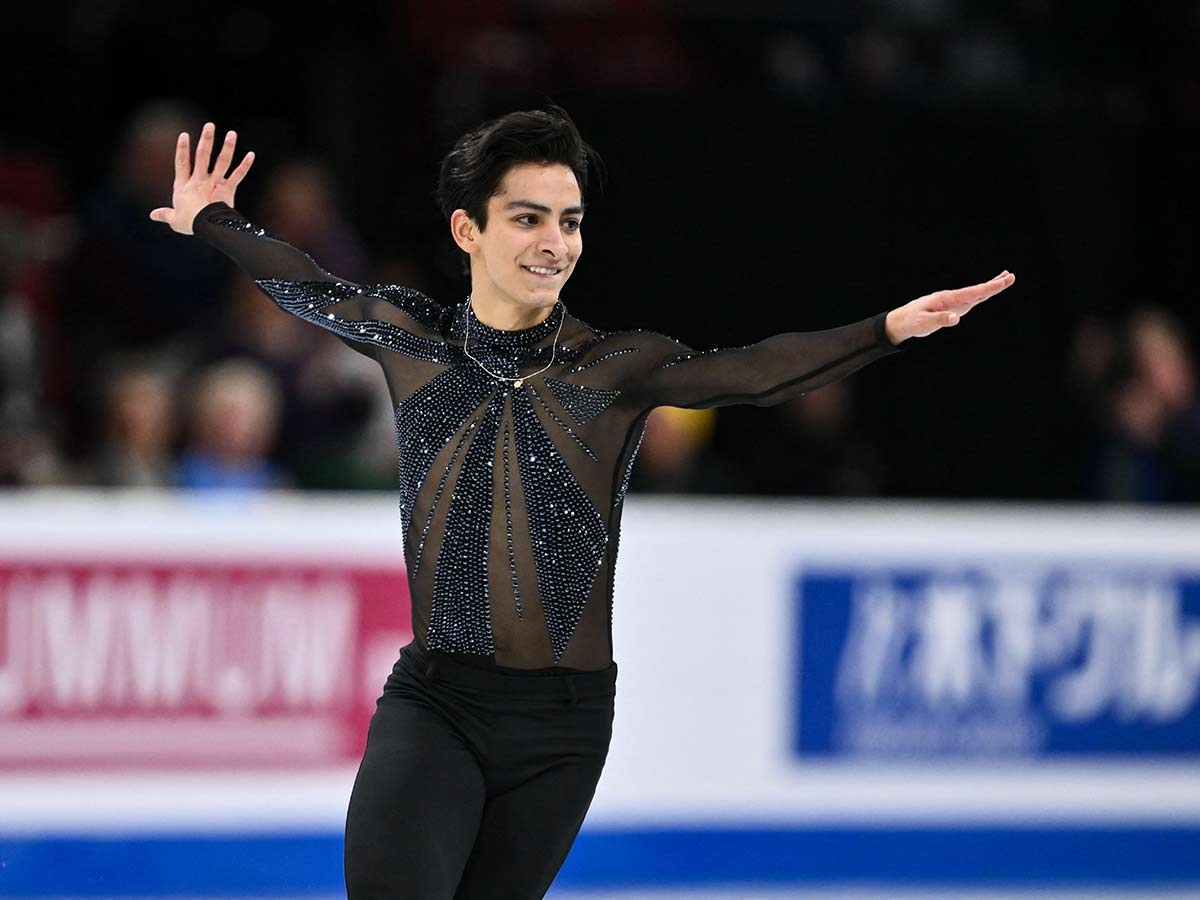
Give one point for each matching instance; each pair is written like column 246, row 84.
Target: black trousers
column 474, row 782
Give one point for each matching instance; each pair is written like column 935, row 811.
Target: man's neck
column 507, row 316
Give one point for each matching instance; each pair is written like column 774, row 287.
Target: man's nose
column 553, row 244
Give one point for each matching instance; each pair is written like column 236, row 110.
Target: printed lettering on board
column 1009, row 660
column 193, row 664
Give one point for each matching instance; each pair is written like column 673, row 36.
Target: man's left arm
column 788, row 365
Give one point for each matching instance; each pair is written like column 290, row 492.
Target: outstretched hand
column 195, row 186
column 941, row 309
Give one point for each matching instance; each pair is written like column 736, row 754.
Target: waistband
column 571, row 684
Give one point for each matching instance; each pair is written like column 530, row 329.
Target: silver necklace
column 516, row 382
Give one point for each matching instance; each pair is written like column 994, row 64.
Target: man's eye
column 528, row 219
column 572, row 224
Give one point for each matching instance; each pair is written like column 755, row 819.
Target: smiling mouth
column 542, row 271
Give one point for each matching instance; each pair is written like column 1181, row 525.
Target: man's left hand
column 941, row 309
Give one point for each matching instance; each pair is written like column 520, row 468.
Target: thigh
column 415, row 808
column 527, row 832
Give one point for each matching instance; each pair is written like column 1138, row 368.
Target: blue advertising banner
column 1001, row 660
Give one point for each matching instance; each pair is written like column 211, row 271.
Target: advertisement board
column 1005, row 659
column 908, row 696
column 197, row 662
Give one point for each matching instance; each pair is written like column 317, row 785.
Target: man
column 517, row 426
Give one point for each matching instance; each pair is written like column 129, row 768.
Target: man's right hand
column 196, row 187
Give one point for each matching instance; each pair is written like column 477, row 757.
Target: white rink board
column 703, row 638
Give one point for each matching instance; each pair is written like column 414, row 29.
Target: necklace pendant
column 518, row 382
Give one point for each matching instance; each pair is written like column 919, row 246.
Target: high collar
column 498, row 337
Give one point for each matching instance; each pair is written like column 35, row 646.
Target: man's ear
column 464, row 230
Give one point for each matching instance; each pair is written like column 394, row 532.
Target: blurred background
column 771, row 166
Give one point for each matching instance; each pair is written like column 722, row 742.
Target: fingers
column 239, row 173
column 225, row 160
column 204, row 149
column 182, row 158
column 963, row 299
column 1002, row 281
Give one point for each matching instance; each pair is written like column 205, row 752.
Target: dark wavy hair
column 472, row 171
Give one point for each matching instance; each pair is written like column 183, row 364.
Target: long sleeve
column 762, row 374
column 365, row 317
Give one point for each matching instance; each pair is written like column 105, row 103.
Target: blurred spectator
column 813, row 446
column 330, row 397
column 356, row 449
column 132, row 284
column 234, row 414
column 984, row 57
column 879, row 60
column 794, row 64
column 37, row 234
column 139, row 429
column 1092, row 356
column 676, row 456
column 623, row 45
column 29, row 443
column 1150, row 450
column 1080, row 402
column 328, row 392
column 20, row 341
column 301, row 207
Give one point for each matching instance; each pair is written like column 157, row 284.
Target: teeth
column 542, row 271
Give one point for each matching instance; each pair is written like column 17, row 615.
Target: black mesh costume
column 510, row 496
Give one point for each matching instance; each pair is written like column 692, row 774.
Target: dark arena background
column 934, row 629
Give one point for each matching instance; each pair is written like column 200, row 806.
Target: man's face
column 532, row 240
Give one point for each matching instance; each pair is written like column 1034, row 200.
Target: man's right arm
column 380, row 316
column 364, row 317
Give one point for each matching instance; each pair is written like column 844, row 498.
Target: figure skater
column 517, row 425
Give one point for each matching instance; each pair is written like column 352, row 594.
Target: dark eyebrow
column 537, row 207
